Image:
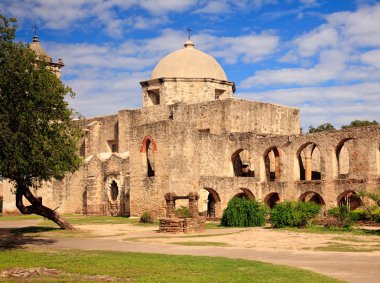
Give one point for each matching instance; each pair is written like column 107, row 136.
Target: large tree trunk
column 36, row 207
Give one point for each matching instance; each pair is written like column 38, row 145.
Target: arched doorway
column 273, row 165
column 149, row 148
column 272, row 199
column 242, row 164
column 246, row 193
column 209, row 203
column 343, row 158
column 310, row 162
column 350, row 199
column 311, row 196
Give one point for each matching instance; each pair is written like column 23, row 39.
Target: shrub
column 293, row 214
column 307, row 212
column 359, row 214
column 342, row 215
column 146, row 217
column 242, row 212
column 182, row 212
column 375, row 215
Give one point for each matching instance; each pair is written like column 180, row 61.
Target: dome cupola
column 188, row 62
column 187, row 75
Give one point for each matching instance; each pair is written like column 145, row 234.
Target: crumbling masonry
column 193, row 136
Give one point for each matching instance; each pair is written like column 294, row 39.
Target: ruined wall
column 237, row 115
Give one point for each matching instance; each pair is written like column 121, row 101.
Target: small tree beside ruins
column 37, row 138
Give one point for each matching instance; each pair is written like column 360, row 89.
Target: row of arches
column 210, row 202
column 309, row 162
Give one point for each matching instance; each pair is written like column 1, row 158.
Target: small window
column 219, row 93
column 154, row 96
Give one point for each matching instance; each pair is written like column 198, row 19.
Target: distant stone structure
column 192, row 136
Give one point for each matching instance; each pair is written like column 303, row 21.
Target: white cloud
column 312, row 42
column 246, row 48
column 332, row 63
column 165, row 6
column 336, row 104
column 372, row 58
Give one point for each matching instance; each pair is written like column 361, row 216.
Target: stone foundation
column 182, row 225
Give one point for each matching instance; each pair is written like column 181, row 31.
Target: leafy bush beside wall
column 242, row 212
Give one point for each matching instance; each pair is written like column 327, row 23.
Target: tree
column 360, row 123
column 37, row 137
column 321, row 128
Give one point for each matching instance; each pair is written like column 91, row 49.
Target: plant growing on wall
column 37, row 138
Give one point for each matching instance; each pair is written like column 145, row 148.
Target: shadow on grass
column 370, row 232
column 17, row 238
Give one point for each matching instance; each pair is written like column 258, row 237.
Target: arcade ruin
column 192, row 136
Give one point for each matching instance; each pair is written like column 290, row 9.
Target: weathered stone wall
column 227, row 148
column 184, row 90
column 237, row 115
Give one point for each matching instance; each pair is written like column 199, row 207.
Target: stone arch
column 311, row 196
column 209, row 203
column 273, row 163
column 272, row 199
column 114, row 190
column 342, row 153
column 149, row 147
column 246, row 193
column 310, row 162
column 349, row 198
column 242, row 164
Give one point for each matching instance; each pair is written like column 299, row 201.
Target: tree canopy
column 37, row 138
column 360, row 123
column 321, row 128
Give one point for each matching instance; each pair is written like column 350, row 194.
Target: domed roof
column 188, row 62
column 40, row 52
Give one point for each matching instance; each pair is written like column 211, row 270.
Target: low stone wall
column 182, row 225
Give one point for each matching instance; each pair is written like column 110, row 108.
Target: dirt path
column 267, row 245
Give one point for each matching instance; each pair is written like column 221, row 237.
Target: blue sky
column 322, row 56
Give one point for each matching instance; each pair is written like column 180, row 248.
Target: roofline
column 171, row 79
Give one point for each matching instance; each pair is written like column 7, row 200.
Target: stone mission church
column 193, row 135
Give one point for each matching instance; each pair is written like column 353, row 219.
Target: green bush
column 182, row 212
column 307, row 212
column 242, row 212
column 360, row 214
column 342, row 215
column 146, row 217
column 375, row 215
column 293, row 214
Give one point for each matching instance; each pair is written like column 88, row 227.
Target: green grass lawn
column 137, row 267
column 333, row 230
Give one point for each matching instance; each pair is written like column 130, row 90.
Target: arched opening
column 273, row 165
column 272, row 199
column 150, row 158
column 343, row 158
column 209, row 203
column 242, row 164
column 350, row 199
column 246, row 193
column 311, row 196
column 114, row 190
column 149, row 147
column 310, row 162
